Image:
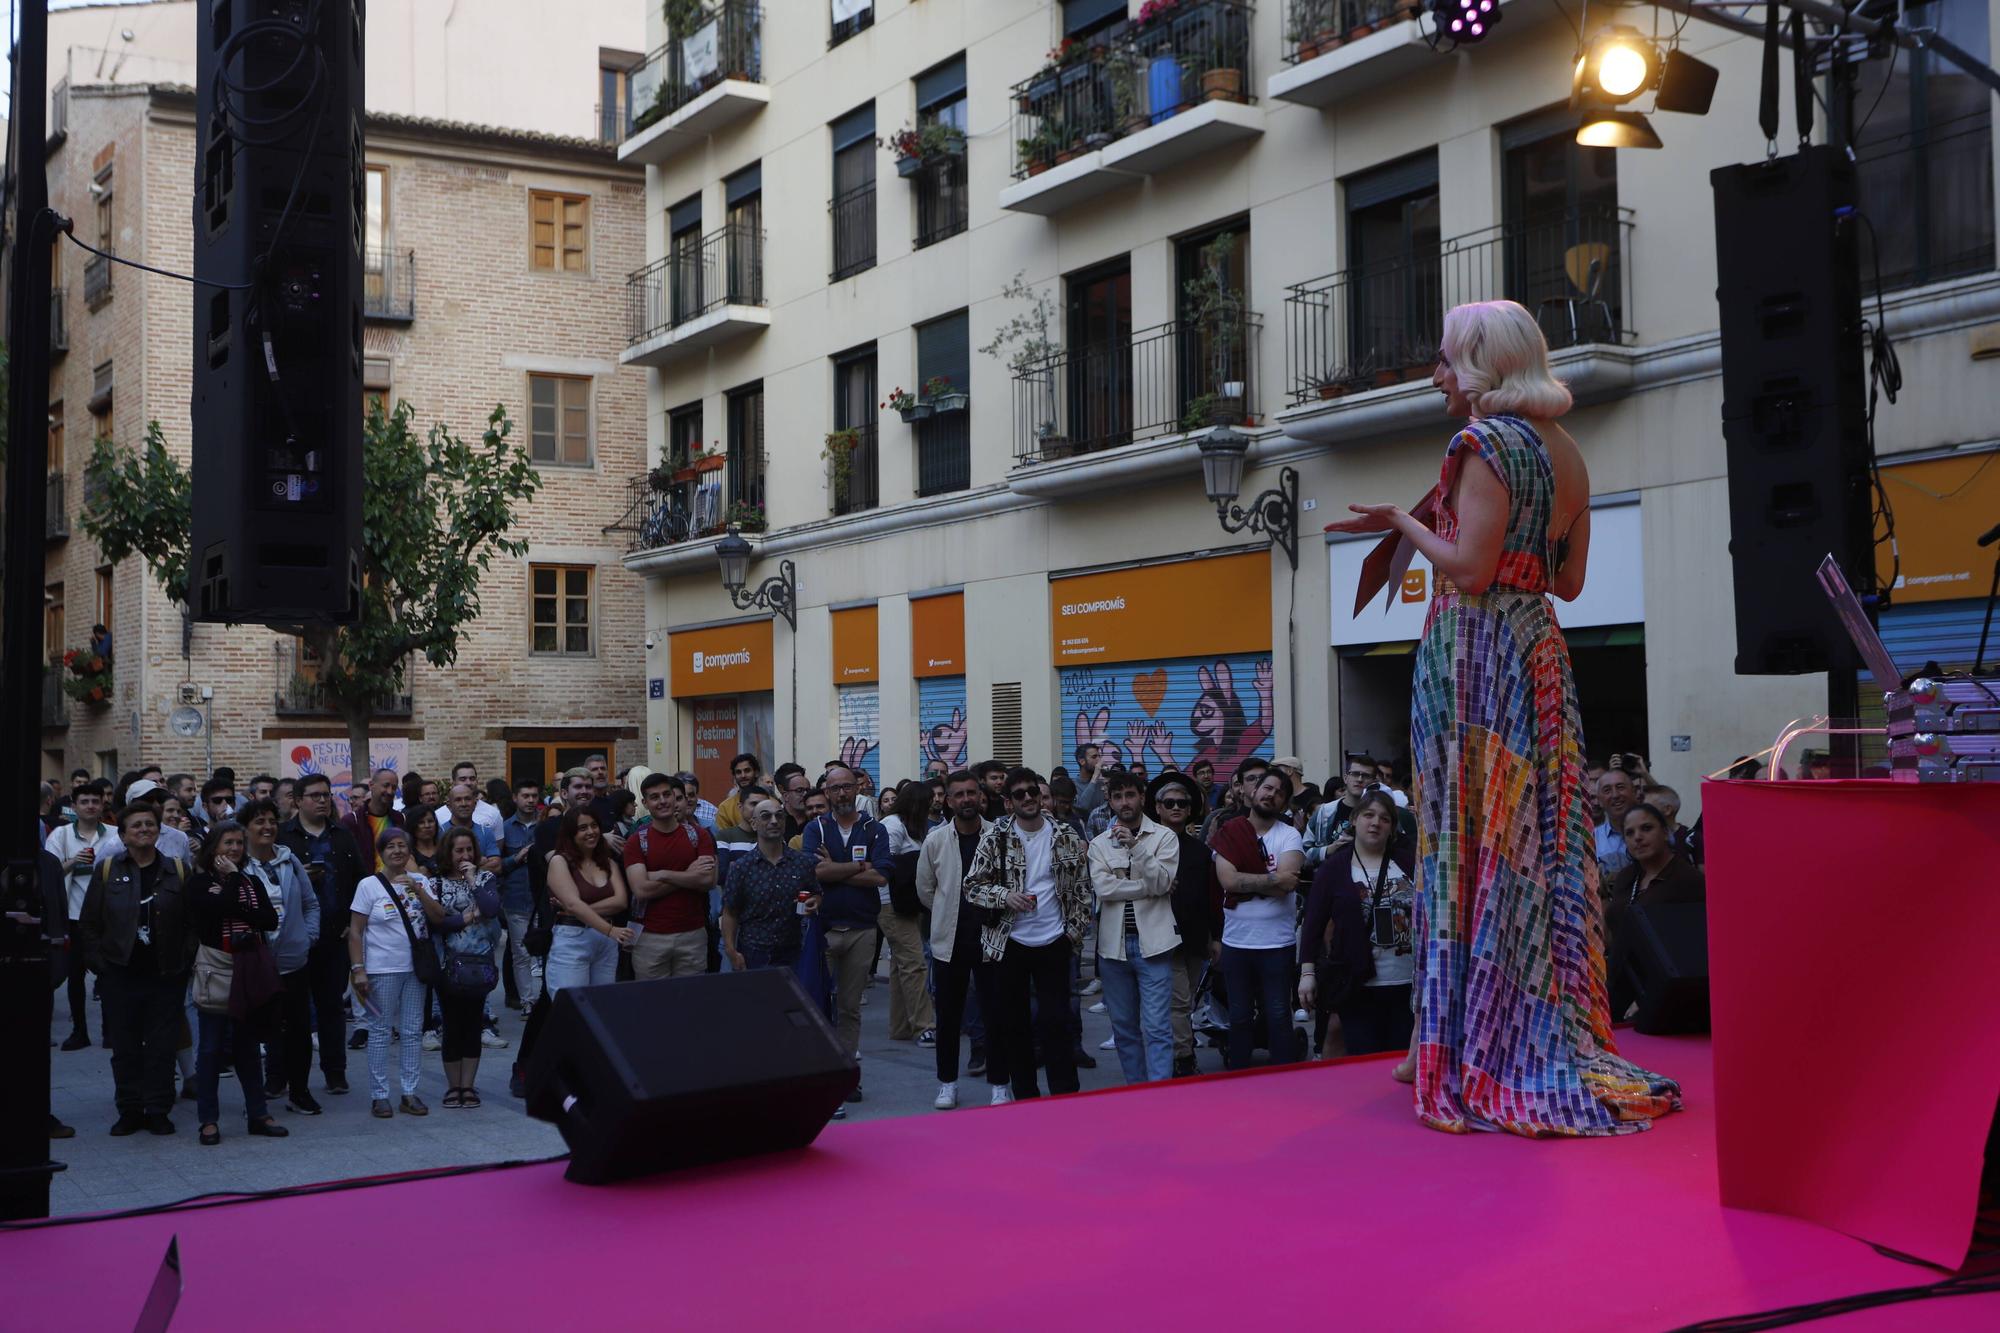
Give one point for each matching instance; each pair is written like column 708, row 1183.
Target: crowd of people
column 255, row 930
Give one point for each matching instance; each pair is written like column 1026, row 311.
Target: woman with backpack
column 465, row 917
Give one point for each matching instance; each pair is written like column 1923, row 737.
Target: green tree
column 436, row 510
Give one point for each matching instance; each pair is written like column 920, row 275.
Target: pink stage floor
column 1308, row 1194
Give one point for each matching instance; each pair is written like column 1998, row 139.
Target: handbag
column 214, row 972
column 253, row 978
column 1339, row 981
column 423, row 958
column 468, row 976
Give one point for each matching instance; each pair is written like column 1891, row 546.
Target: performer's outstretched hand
column 1374, row 518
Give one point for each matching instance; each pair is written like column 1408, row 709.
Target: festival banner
column 335, row 758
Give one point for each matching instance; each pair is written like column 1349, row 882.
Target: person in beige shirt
column 1133, row 864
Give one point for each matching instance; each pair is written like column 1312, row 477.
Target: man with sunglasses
column 852, row 864
column 1035, row 874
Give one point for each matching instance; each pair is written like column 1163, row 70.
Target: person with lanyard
column 852, row 864
column 1659, row 875
column 228, row 909
column 768, row 896
column 135, row 936
column 75, row 848
column 333, row 865
column 957, row 959
column 1358, row 915
column 387, row 924
column 297, row 905
column 376, row 815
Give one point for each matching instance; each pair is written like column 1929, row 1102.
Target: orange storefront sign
column 1941, row 505
column 1189, row 608
column 857, row 654
column 937, row 636
column 725, row 659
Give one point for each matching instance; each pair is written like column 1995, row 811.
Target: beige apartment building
column 1046, row 567
column 496, row 267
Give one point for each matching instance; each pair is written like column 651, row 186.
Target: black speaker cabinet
column 648, row 1076
column 1663, row 956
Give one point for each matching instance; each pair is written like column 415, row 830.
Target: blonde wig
column 1502, row 361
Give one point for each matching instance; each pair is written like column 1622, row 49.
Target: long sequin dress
column 1514, row 1031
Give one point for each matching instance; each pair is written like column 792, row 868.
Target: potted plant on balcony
column 711, row 460
column 928, row 143
column 1122, row 74
column 1050, row 445
column 661, row 479
column 746, row 516
column 1023, row 343
column 938, row 391
column 90, row 679
column 839, row 454
column 1311, row 27
column 1216, row 307
column 907, row 406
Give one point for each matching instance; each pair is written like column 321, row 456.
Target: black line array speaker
column 1663, row 959
column 649, row 1076
column 279, row 212
column 1794, row 403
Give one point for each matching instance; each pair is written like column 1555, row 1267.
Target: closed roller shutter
column 1171, row 713
column 941, row 722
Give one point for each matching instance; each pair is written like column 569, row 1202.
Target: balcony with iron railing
column 702, row 293
column 708, row 75
column 96, row 281
column 58, row 323
column 56, row 525
column 1169, row 380
column 55, row 704
column 854, row 469
column 1928, row 195
column 389, row 285
column 678, row 503
column 1334, row 49
column 1146, row 96
column 853, row 217
column 297, row 691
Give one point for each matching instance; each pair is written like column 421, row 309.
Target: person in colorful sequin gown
column 1514, row 1024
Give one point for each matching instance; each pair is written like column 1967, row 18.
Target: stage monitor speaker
column 1794, row 404
column 279, row 226
column 649, row 1076
column 1663, row 958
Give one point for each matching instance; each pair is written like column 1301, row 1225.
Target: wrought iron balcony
column 1374, row 326
column 1929, row 195
column 389, row 285
column 1139, row 75
column 56, row 526
column 299, row 693
column 853, row 216
column 681, row 510
column 1174, row 378
column 96, row 281
column 721, row 44
column 1314, row 27
column 701, row 292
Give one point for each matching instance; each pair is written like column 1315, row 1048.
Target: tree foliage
column 436, row 511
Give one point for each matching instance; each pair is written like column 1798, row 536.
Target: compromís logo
column 720, row 661
column 1092, row 608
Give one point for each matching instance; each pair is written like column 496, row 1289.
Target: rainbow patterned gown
column 1514, row 1028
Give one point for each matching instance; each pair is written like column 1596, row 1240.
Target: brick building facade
column 461, row 317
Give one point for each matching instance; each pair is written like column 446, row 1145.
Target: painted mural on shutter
column 941, row 722
column 1171, row 714
column 861, row 728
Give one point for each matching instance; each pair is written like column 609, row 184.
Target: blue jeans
column 211, row 1032
column 1255, row 975
column 580, row 956
column 1139, row 1000
column 398, row 1001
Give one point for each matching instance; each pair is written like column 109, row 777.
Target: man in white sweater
column 1132, row 868
column 955, row 951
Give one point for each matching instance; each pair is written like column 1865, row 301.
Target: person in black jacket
column 1359, row 913
column 1174, row 800
column 226, row 908
column 333, row 863
column 135, row 937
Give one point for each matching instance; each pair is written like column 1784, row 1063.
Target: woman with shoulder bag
column 1355, row 949
column 229, row 911
column 391, row 961
column 465, row 916
column 587, row 890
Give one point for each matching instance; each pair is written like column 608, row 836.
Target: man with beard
column 1258, row 859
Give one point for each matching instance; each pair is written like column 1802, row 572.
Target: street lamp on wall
column 1275, row 512
column 778, row 593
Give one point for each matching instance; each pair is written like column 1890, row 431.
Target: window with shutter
column 559, row 419
column 559, row 231
column 561, row 612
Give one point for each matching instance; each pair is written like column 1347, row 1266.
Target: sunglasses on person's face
column 1023, row 793
column 1173, row 803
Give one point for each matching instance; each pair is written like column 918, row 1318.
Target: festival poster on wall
column 941, row 722
column 335, row 758
column 861, row 729
column 717, row 733
column 1171, row 714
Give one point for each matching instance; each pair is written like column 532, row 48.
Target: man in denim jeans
column 1258, row 859
column 517, row 893
column 1132, row 869
column 851, row 856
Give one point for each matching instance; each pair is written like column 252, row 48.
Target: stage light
column 1616, row 129
column 1465, row 21
column 1618, row 65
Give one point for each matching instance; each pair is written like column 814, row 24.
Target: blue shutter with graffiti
column 941, row 722
column 861, row 728
column 1173, row 713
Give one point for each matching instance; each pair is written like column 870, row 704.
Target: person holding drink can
column 768, row 895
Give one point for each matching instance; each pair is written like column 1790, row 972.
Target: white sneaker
column 488, row 1037
column 1108, row 1044
column 1002, row 1094
column 947, row 1098
column 1094, row 987
column 1301, row 1016
column 1097, row 1008
column 431, row 1042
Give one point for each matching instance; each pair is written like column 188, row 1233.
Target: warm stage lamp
column 1616, row 129
column 1619, row 64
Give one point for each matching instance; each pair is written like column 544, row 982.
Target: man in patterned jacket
column 1035, row 873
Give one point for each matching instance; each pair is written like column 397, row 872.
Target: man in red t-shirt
column 670, row 864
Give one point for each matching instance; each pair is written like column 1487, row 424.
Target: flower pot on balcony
column 1386, row 378
column 908, row 164
column 1226, row 411
column 709, row 463
column 912, row 415
column 1036, row 166
column 1222, row 85
column 1331, row 389
column 955, row 401
column 1054, row 447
